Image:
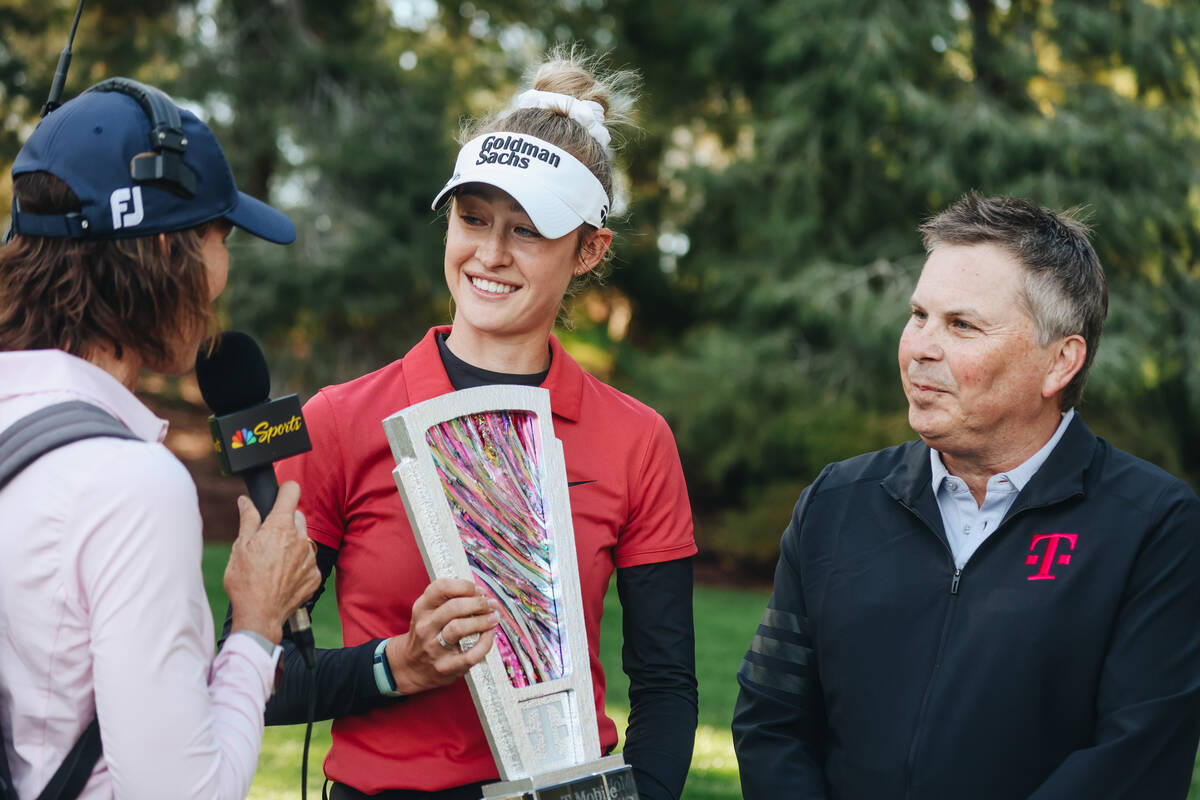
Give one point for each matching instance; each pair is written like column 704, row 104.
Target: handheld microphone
column 251, row 432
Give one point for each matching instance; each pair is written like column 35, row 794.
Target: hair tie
column 587, row 113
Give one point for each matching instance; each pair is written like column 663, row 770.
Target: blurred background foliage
column 788, row 151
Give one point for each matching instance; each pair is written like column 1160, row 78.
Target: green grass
column 725, row 623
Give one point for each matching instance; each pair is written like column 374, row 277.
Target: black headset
column 162, row 166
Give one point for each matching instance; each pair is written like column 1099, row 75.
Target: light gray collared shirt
column 968, row 524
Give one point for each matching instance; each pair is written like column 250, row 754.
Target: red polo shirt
column 629, row 507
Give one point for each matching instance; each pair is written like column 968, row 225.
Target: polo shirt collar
column 565, row 382
column 31, row 372
column 425, row 375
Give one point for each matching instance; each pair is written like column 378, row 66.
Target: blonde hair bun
column 570, row 70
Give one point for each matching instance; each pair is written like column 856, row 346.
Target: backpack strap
column 31, row 437
column 76, row 769
column 22, row 443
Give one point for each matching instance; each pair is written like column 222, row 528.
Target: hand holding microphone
column 250, row 433
column 271, row 569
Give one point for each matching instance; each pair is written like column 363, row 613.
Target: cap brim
column 265, row 222
column 552, row 217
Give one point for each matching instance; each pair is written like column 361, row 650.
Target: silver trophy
column 485, row 487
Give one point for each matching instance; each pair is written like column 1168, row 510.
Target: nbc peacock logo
column 241, row 438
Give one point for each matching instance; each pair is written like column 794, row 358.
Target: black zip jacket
column 1062, row 662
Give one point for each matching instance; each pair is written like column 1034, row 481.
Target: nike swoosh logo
column 578, row 483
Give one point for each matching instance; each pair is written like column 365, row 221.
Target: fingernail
column 242, row 502
column 492, row 603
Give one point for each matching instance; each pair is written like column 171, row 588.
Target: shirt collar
column 1017, row 476
column 24, row 373
column 425, row 376
column 940, row 473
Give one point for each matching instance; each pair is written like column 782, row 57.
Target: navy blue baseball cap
column 91, row 142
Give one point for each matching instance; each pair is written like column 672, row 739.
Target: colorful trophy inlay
column 489, row 465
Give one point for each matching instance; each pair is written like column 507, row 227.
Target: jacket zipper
column 954, row 584
column 917, row 731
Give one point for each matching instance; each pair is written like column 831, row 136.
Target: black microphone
column 250, row 432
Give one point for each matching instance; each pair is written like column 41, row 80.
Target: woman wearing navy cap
column 103, row 612
column 527, row 223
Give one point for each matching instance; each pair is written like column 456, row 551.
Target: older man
column 1008, row 608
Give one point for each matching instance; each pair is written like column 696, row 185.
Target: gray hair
column 1065, row 292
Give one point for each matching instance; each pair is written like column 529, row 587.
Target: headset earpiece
column 163, row 166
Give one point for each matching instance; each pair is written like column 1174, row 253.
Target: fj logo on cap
column 126, row 207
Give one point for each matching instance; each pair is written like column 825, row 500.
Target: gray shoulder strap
column 31, row 437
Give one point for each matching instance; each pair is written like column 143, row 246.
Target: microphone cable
column 311, row 673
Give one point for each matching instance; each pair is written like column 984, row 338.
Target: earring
column 583, row 265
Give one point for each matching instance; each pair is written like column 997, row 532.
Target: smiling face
column 507, row 280
column 979, row 387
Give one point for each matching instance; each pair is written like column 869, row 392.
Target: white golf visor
column 556, row 190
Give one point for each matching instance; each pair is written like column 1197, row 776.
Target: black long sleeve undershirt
column 658, row 655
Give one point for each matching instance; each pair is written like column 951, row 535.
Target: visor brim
column 552, row 217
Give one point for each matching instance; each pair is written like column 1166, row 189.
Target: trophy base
column 608, row 778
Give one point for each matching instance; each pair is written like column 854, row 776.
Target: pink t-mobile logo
column 1050, row 555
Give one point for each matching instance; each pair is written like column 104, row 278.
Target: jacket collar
column 425, row 376
column 1060, row 478
column 911, row 483
column 1064, row 474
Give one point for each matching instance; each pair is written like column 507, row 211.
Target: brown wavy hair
column 139, row 295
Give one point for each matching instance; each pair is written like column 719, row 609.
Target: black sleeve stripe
column 770, row 679
column 784, row 651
